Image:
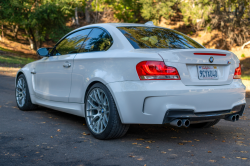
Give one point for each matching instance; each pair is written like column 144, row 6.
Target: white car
column 116, row 74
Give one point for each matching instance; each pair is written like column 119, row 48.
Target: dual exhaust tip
column 233, row 118
column 186, row 122
column 180, row 122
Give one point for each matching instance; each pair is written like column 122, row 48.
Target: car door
column 53, row 74
column 87, row 61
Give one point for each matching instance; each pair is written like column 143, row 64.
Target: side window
column 98, row 40
column 72, row 43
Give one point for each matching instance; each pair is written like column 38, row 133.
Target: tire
column 22, row 95
column 205, row 124
column 100, row 109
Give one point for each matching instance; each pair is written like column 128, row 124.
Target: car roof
column 113, row 25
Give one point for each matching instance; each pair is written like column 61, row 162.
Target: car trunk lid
column 188, row 61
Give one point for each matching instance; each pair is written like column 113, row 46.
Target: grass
column 245, row 77
column 6, row 50
column 14, row 58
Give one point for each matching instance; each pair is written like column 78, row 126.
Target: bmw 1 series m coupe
column 117, row 74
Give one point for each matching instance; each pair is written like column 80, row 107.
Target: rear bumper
column 148, row 102
column 199, row 117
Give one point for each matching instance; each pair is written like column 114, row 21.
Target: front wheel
column 22, row 94
column 101, row 114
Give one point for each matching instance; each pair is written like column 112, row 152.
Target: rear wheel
column 205, row 124
column 22, row 94
column 101, row 114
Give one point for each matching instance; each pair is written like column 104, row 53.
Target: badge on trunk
column 211, row 59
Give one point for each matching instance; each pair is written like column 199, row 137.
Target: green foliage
column 125, row 10
column 245, row 77
column 41, row 19
column 97, row 5
column 46, row 19
column 14, row 59
column 50, row 20
column 209, row 28
column 153, row 10
column 243, row 55
column 196, row 12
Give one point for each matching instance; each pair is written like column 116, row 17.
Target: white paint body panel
column 186, row 62
column 143, row 102
column 52, row 81
column 146, row 102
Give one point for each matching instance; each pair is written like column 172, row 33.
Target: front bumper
column 147, row 102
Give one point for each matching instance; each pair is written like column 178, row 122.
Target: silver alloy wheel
column 20, row 92
column 97, row 110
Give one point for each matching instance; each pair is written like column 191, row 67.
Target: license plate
column 208, row 72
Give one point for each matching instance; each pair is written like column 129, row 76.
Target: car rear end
column 188, row 84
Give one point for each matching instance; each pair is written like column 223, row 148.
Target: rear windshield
column 152, row 37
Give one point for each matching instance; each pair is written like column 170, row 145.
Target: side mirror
column 43, row 52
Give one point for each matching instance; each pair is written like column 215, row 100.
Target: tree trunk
column 76, row 17
column 2, row 35
column 73, row 21
column 240, row 13
column 87, row 16
column 87, row 9
column 31, row 39
column 16, row 28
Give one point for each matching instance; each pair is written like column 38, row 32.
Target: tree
column 229, row 16
column 39, row 18
column 153, row 10
column 197, row 12
column 125, row 10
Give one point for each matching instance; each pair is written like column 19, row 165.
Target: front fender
column 26, row 71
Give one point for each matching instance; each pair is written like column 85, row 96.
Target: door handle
column 66, row 65
column 33, row 72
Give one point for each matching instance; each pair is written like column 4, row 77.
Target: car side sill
column 71, row 108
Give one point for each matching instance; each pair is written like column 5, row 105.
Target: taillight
column 156, row 70
column 237, row 73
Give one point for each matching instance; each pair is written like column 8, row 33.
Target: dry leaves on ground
column 139, row 139
column 85, row 133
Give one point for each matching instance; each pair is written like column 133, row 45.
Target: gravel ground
column 52, row 138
